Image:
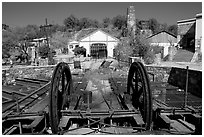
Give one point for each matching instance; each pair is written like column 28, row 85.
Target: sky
column 24, row 13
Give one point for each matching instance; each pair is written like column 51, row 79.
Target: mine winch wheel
column 138, row 87
column 61, row 86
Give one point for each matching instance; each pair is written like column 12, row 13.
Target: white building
column 190, row 33
column 97, row 42
column 164, row 39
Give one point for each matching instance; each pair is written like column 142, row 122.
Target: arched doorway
column 98, row 50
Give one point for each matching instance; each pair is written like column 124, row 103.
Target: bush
column 43, row 51
column 157, row 49
column 149, row 57
column 80, row 51
column 123, row 50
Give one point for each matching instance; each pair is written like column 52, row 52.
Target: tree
column 84, row 23
column 119, row 21
column 95, row 24
column 163, row 27
column 106, row 22
column 24, row 37
column 32, row 31
column 154, row 25
column 9, row 41
column 56, row 28
column 43, row 50
column 80, row 51
column 173, row 29
column 71, row 23
column 123, row 50
column 59, row 40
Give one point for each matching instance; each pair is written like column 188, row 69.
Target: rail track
column 97, row 102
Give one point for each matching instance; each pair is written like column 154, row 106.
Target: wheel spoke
column 63, row 82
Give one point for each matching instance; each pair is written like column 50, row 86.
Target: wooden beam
column 40, row 106
column 137, row 117
column 179, row 127
column 188, row 125
column 42, row 89
column 63, row 122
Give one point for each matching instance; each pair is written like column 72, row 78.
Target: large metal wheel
column 139, row 88
column 60, row 90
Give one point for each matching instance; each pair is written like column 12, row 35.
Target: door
column 98, row 50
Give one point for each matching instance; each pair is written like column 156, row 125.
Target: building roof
column 86, row 32
column 161, row 32
column 199, row 15
column 186, row 20
column 163, row 37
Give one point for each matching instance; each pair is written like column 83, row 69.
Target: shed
column 97, row 42
column 164, row 39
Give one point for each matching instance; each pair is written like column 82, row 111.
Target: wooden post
column 186, row 90
column 46, row 34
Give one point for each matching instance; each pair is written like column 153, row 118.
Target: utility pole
column 45, row 27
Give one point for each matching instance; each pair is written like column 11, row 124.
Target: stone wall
column 161, row 74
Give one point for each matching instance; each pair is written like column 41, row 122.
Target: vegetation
column 136, row 47
column 156, row 49
column 43, row 51
column 15, row 41
column 80, row 51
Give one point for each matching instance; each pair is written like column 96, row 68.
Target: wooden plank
column 189, row 125
column 166, row 119
column 79, row 131
column 8, row 101
column 137, row 117
column 6, row 98
column 10, row 130
column 65, row 119
column 36, row 121
column 125, row 130
column 130, row 107
column 63, row 122
column 109, row 130
column 40, row 106
column 26, row 82
column 10, row 91
column 42, row 81
column 179, row 127
column 42, row 89
column 115, row 130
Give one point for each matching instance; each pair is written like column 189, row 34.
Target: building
column 190, row 33
column 164, row 39
column 97, row 42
